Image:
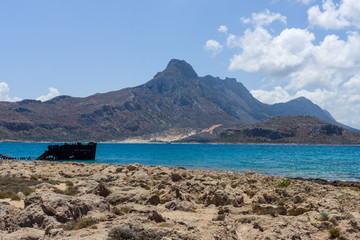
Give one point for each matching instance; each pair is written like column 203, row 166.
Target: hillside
column 291, row 129
column 176, row 102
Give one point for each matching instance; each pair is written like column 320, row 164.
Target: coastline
column 326, row 162
column 141, row 141
column 162, row 203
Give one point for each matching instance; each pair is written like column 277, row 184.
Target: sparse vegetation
column 70, row 191
column 82, row 223
column 117, row 211
column 85, row 222
column 245, row 220
column 69, row 183
column 125, row 209
column 9, row 194
column 10, row 186
column 334, row 233
column 121, row 211
column 250, row 193
column 166, row 225
column 284, row 183
column 28, row 191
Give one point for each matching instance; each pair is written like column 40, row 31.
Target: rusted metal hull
column 76, row 151
column 6, row 157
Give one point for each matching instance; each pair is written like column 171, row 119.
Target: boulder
column 154, row 200
column 155, row 216
column 48, row 209
column 102, row 190
column 135, row 231
column 185, row 206
column 175, row 177
column 140, row 176
column 221, row 197
column 172, row 204
column 25, row 234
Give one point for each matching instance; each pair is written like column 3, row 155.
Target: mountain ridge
column 290, row 130
column 175, row 101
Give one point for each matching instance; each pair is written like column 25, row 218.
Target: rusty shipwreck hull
column 77, row 151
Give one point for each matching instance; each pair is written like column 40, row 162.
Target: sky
column 279, row 49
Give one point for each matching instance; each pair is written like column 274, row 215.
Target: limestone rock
column 48, row 209
column 25, row 234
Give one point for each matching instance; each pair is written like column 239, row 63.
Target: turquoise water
column 326, row 162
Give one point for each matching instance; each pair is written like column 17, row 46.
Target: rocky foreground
column 100, row 201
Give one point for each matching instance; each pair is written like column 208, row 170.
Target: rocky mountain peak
column 180, row 69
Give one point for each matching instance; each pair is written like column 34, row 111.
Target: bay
column 307, row 161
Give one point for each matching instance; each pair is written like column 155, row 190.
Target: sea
column 305, row 161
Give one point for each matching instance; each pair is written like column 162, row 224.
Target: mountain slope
column 176, row 101
column 291, row 129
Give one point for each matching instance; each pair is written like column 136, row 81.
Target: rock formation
column 143, row 202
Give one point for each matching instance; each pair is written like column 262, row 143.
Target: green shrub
column 166, row 225
column 10, row 186
column 117, row 211
column 15, row 198
column 334, row 233
column 85, row 222
column 82, row 223
column 250, row 193
column 244, row 220
column 70, row 191
column 34, row 177
column 69, row 183
column 125, row 209
column 28, row 191
column 284, row 183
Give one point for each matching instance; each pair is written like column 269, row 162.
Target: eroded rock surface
column 102, row 201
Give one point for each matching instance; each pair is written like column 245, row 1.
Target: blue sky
column 80, row 48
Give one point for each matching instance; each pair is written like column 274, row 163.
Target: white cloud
column 335, row 16
column 213, row 47
column 222, row 29
column 326, row 71
column 264, row 18
column 274, row 96
column 53, row 92
column 294, row 57
column 4, row 93
column 272, row 56
column 233, row 41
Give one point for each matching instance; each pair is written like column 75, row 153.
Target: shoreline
column 323, row 181
column 189, row 143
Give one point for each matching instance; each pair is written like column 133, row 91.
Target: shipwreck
column 77, row 151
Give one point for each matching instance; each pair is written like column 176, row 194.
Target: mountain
column 176, row 102
column 291, row 129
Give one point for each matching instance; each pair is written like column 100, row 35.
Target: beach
column 103, row 201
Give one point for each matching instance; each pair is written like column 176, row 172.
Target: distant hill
column 291, row 129
column 176, row 102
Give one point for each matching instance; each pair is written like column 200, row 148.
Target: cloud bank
column 295, row 63
column 335, row 16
